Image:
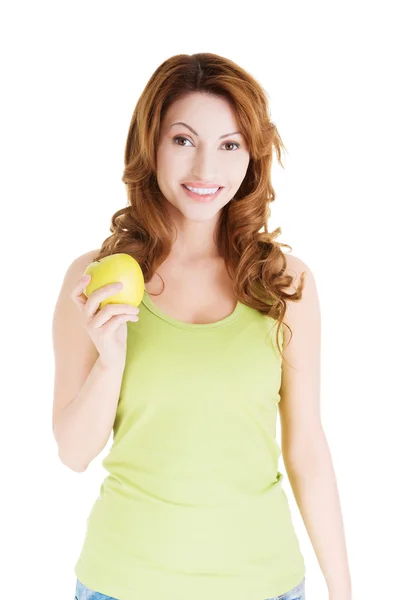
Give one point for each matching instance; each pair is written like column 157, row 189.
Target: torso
column 198, row 295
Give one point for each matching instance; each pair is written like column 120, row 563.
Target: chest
column 199, row 295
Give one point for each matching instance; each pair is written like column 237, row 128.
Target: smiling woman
column 203, row 121
column 193, row 506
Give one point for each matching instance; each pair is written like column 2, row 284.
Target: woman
column 193, row 506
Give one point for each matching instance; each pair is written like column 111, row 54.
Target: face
column 200, row 152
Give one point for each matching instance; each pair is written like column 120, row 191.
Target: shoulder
column 88, row 257
column 82, row 261
column 295, row 267
column 303, row 315
column 75, row 270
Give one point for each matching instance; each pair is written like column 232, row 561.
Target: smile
column 201, row 197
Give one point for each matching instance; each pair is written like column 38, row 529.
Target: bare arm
column 84, row 426
column 86, row 384
column 305, row 450
column 314, row 486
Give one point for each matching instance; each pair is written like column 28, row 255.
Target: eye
column 181, row 137
column 233, row 143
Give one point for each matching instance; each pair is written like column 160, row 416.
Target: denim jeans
column 296, row 593
column 84, row 593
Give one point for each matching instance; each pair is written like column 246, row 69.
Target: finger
column 110, row 311
column 93, row 303
column 103, row 319
column 77, row 293
column 80, row 285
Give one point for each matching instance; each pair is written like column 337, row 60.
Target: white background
column 71, row 74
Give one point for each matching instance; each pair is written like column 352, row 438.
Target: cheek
column 240, row 173
column 237, row 167
column 170, row 170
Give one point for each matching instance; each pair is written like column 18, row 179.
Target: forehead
column 202, row 110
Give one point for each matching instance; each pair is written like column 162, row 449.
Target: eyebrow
column 195, row 133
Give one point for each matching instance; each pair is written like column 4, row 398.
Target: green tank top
column 193, row 505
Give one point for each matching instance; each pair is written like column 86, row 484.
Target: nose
column 204, row 167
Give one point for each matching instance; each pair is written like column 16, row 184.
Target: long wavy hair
column 143, row 229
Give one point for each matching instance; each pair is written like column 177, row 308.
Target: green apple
column 111, row 269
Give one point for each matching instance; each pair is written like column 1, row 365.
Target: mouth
column 201, row 197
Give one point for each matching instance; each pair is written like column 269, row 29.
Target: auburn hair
column 143, row 229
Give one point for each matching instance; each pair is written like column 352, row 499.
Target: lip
column 201, row 185
column 202, row 199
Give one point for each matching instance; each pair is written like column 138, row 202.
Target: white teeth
column 202, row 191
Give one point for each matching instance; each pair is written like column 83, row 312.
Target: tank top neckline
column 147, row 301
